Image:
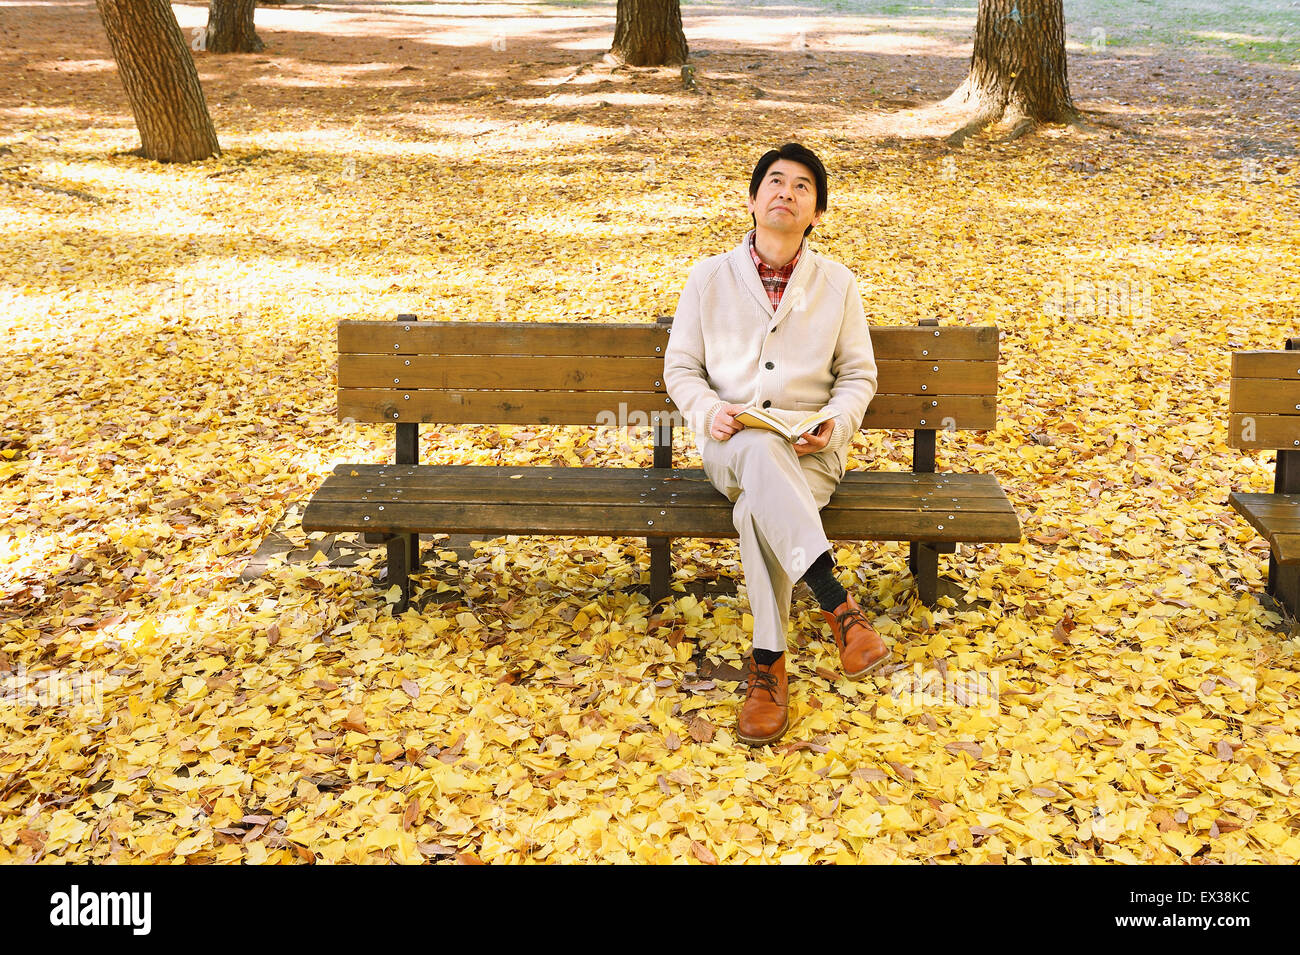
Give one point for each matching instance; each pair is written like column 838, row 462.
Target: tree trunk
column 649, row 33
column 230, row 27
column 1017, row 71
column 161, row 82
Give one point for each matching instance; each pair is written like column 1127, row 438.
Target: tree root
column 75, row 193
column 1021, row 127
column 983, row 116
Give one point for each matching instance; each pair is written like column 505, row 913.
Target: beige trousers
column 777, row 496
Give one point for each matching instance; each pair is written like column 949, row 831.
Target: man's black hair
column 795, row 153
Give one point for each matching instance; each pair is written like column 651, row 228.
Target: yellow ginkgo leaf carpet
column 1113, row 688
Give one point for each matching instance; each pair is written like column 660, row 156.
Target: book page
column 788, row 423
column 813, row 421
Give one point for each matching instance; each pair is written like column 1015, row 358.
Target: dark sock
column 766, row 657
column 821, row 578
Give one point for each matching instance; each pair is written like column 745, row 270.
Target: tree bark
column 1017, row 69
column 161, row 82
column 649, row 33
column 230, row 27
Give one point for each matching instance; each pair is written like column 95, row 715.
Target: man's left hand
column 810, row 442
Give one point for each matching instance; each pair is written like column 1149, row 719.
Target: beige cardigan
column 728, row 346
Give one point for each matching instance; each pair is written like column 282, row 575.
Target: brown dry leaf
column 869, row 774
column 453, row 752
column 904, row 771
column 412, row 813
column 1061, row 632
column 701, row 730
column 355, row 720
column 1165, row 821
column 703, row 853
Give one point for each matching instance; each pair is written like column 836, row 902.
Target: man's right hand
column 724, row 422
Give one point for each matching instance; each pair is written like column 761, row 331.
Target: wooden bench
column 407, row 372
column 1264, row 415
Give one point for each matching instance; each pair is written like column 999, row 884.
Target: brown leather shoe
column 765, row 715
column 861, row 649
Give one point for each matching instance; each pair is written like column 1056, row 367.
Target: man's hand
column 724, row 424
column 810, row 442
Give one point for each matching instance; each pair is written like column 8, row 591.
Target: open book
column 788, row 424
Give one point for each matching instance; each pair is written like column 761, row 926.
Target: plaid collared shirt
column 774, row 280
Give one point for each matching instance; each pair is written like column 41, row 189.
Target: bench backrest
column 587, row 373
column 498, row 372
column 1264, row 400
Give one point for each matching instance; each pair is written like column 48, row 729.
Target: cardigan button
column 769, row 366
column 767, row 404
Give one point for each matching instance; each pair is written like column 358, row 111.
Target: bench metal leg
column 400, row 563
column 1284, row 585
column 923, row 559
column 661, row 567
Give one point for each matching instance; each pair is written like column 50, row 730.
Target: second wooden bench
column 1264, row 414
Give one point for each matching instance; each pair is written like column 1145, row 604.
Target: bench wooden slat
column 496, row 407
column 938, row 479
column 587, row 339
column 376, row 405
column 579, row 339
column 1268, row 396
column 1261, row 432
column 937, row 376
column 546, row 373
column 535, row 492
column 646, row 521
column 497, row 371
column 940, row 412
column 1269, row 526
column 1286, row 548
column 1266, row 505
column 687, row 483
column 1266, row 364
column 919, row 343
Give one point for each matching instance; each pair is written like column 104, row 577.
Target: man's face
column 786, row 198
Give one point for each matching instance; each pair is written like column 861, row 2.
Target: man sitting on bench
column 773, row 325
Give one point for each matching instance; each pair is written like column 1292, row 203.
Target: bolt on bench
column 407, row 372
column 1264, row 415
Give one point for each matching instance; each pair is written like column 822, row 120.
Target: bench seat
column 1277, row 518
column 643, row 502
